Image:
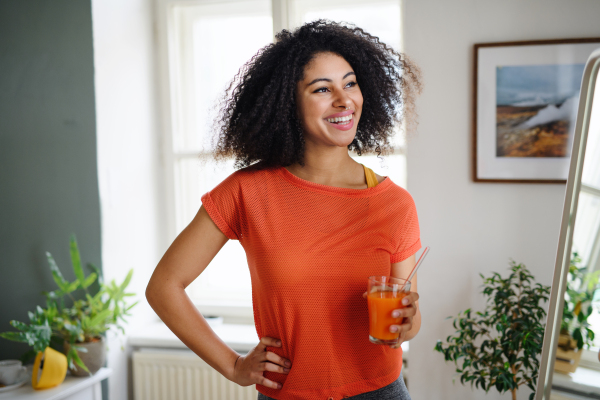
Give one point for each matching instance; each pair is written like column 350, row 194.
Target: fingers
column 410, row 299
column 405, row 325
column 401, row 337
column 274, row 358
column 270, row 356
column 409, row 308
column 407, row 312
column 268, row 341
column 268, row 383
column 402, row 328
column 267, row 366
column 249, row 369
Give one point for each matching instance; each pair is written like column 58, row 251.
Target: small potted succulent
column 499, row 347
column 76, row 317
column 575, row 331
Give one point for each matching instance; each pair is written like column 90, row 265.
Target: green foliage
column 36, row 334
column 579, row 296
column 499, row 347
column 73, row 312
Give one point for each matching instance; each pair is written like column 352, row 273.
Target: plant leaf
column 72, row 287
column 126, row 281
column 98, row 273
column 56, row 275
column 75, row 356
column 14, row 336
column 76, row 260
column 131, row 306
column 19, row 325
column 100, row 318
column 89, row 280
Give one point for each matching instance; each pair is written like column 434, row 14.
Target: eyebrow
column 329, row 80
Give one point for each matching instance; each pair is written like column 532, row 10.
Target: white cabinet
column 73, row 388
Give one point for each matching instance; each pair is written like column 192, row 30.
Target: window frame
column 589, row 357
column 169, row 87
column 594, row 257
column 169, row 94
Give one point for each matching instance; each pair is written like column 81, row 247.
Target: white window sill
column 240, row 337
column 231, row 309
column 583, row 380
column 589, row 359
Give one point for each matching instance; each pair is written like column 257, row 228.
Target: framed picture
column 525, row 104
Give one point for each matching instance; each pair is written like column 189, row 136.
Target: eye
column 321, row 90
column 351, row 84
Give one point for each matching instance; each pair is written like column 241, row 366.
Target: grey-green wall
column 48, row 169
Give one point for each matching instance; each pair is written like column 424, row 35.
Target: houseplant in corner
column 575, row 331
column 499, row 347
column 76, row 316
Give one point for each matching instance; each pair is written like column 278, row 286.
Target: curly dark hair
column 258, row 121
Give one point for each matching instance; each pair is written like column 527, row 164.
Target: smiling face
column 329, row 101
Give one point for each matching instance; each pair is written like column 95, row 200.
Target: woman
column 313, row 222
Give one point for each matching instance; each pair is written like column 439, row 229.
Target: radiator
column 181, row 375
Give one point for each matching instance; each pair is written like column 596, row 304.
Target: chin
column 338, row 140
column 332, row 137
column 349, row 138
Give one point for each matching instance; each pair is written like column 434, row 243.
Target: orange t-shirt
column 310, row 250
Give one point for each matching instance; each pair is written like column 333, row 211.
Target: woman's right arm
column 186, row 258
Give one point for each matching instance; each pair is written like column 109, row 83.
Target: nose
column 342, row 100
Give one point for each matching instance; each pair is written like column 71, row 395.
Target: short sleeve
column 223, row 205
column 407, row 236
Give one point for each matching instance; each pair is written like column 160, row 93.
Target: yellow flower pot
column 54, row 371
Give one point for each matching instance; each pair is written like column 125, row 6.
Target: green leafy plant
column 578, row 306
column 499, row 347
column 74, row 313
column 36, row 334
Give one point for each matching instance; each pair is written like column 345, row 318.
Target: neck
column 331, row 166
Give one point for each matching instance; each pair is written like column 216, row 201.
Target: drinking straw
column 417, row 265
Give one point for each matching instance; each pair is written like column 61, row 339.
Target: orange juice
column 381, row 304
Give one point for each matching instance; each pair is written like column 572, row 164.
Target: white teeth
column 340, row 119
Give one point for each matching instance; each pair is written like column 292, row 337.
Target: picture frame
column 525, row 98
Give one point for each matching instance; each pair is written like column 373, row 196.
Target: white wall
column 472, row 227
column 128, row 158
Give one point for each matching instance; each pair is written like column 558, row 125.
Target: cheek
column 306, row 116
column 302, row 111
column 311, row 108
column 359, row 100
column 312, row 111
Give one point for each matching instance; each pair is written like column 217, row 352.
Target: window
column 586, row 236
column 205, row 43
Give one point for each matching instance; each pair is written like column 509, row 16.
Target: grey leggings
column 394, row 391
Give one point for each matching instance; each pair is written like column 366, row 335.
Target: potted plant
column 76, row 316
column 499, row 347
column 575, row 331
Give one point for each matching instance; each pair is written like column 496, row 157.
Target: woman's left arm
column 412, row 315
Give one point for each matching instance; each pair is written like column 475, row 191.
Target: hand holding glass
column 384, row 295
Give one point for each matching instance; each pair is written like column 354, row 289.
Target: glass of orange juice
column 384, row 295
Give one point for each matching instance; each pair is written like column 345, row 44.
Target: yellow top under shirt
column 371, row 178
